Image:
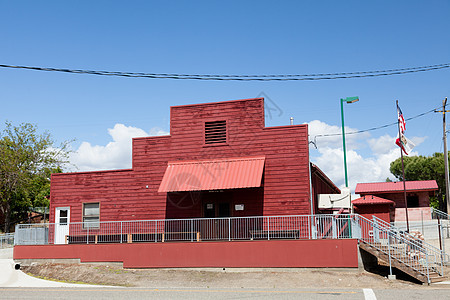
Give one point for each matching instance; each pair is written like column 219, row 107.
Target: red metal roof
column 370, row 200
column 397, row 186
column 229, row 173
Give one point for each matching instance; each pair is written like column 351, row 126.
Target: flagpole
column 403, row 171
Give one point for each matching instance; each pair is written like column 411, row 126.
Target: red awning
column 217, row 174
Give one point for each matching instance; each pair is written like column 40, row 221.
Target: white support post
column 389, row 249
column 229, row 229
column 156, row 231
column 334, row 227
column 192, row 230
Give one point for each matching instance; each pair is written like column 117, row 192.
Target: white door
column 62, row 221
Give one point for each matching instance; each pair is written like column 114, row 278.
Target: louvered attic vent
column 215, row 132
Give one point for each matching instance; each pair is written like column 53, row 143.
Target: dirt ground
column 114, row 274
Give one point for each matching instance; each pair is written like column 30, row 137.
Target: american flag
column 401, row 120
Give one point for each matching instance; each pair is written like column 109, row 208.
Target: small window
column 91, row 215
column 215, row 132
column 63, row 217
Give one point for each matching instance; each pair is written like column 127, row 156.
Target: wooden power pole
column 443, row 111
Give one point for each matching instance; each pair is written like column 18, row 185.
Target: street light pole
column 347, row 100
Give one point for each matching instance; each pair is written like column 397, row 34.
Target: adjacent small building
column 380, row 198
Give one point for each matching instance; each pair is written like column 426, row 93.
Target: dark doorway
column 217, row 208
column 224, row 210
column 217, row 204
column 412, row 200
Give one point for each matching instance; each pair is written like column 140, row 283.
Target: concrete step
column 438, row 278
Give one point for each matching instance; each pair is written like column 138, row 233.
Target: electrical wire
column 273, row 77
column 374, row 128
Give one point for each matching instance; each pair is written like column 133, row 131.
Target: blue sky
column 226, row 37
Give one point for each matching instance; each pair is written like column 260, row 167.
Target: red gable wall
column 123, row 194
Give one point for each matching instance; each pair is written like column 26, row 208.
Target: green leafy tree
column 26, row 160
column 424, row 168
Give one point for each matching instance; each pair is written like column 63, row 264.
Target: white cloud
column 382, row 145
column 114, row 155
column 319, row 131
column 363, row 165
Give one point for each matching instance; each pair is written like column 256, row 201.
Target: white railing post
column 376, row 232
column 192, row 230
column 268, row 228
column 156, row 231
column 314, row 227
column 121, row 231
column 442, row 236
column 310, row 228
column 87, row 235
column 389, row 249
column 334, row 227
column 229, row 229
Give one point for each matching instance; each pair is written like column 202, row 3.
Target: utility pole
column 443, row 111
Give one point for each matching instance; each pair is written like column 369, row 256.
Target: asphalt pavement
column 10, row 277
column 15, row 284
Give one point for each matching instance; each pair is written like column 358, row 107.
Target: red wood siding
column 123, row 194
column 381, row 211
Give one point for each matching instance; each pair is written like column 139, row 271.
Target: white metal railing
column 192, row 230
column 6, row 240
column 436, row 213
column 401, row 246
column 407, row 236
column 443, row 227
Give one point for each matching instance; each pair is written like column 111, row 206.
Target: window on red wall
column 91, row 215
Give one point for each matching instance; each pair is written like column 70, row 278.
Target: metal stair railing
column 406, row 235
column 403, row 247
column 443, row 220
column 438, row 213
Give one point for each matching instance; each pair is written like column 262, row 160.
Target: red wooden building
column 368, row 206
column 218, row 161
column 389, row 198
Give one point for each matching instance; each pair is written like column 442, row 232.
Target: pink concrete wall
column 414, row 214
column 245, row 254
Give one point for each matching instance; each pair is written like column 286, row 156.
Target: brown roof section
column 396, row 186
column 371, row 200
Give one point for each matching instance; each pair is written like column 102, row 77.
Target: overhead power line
column 273, row 77
column 374, row 128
